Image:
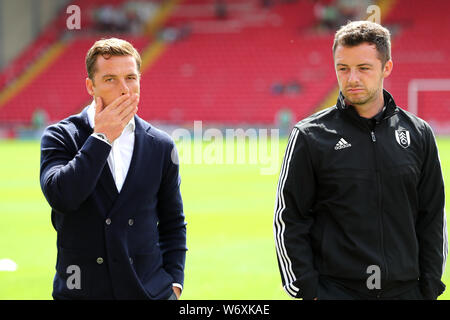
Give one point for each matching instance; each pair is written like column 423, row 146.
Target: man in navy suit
column 112, row 181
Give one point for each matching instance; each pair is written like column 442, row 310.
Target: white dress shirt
column 119, row 158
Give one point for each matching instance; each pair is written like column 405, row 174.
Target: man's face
column 114, row 77
column 360, row 73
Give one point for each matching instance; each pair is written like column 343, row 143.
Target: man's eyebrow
column 114, row 75
column 359, row 65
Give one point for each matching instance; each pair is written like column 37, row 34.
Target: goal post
column 441, row 126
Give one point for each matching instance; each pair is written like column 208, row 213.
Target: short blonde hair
column 108, row 48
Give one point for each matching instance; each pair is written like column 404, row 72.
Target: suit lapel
column 106, row 180
column 135, row 165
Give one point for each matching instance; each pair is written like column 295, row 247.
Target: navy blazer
column 127, row 245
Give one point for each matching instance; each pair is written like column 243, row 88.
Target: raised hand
column 112, row 119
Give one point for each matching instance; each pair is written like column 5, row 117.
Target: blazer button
column 130, row 222
column 131, row 260
column 99, row 260
column 108, row 221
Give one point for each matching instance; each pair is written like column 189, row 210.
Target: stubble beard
column 363, row 98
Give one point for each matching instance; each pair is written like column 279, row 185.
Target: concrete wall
column 21, row 21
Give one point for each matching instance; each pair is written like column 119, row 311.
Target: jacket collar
column 389, row 103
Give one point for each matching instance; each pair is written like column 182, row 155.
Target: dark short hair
column 108, row 48
column 357, row 32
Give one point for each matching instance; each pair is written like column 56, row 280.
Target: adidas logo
column 342, row 144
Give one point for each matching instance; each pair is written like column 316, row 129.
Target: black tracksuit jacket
column 353, row 194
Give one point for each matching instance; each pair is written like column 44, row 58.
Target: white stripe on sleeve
column 279, row 226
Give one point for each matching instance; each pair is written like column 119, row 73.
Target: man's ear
column 90, row 86
column 388, row 66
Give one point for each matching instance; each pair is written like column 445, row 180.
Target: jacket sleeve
column 67, row 175
column 172, row 225
column 293, row 219
column 431, row 223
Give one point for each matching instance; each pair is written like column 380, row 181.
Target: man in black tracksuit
column 360, row 202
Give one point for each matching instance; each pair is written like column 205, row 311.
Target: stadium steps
column 31, row 73
column 164, row 13
column 157, row 47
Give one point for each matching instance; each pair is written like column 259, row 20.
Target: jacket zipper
column 379, row 199
column 378, row 176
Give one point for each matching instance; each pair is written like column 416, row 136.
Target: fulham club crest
column 402, row 137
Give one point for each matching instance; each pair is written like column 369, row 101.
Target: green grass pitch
column 229, row 211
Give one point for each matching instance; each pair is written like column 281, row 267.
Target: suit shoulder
column 70, row 125
column 161, row 135
column 157, row 134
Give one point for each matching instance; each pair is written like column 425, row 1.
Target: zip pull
column 374, row 139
